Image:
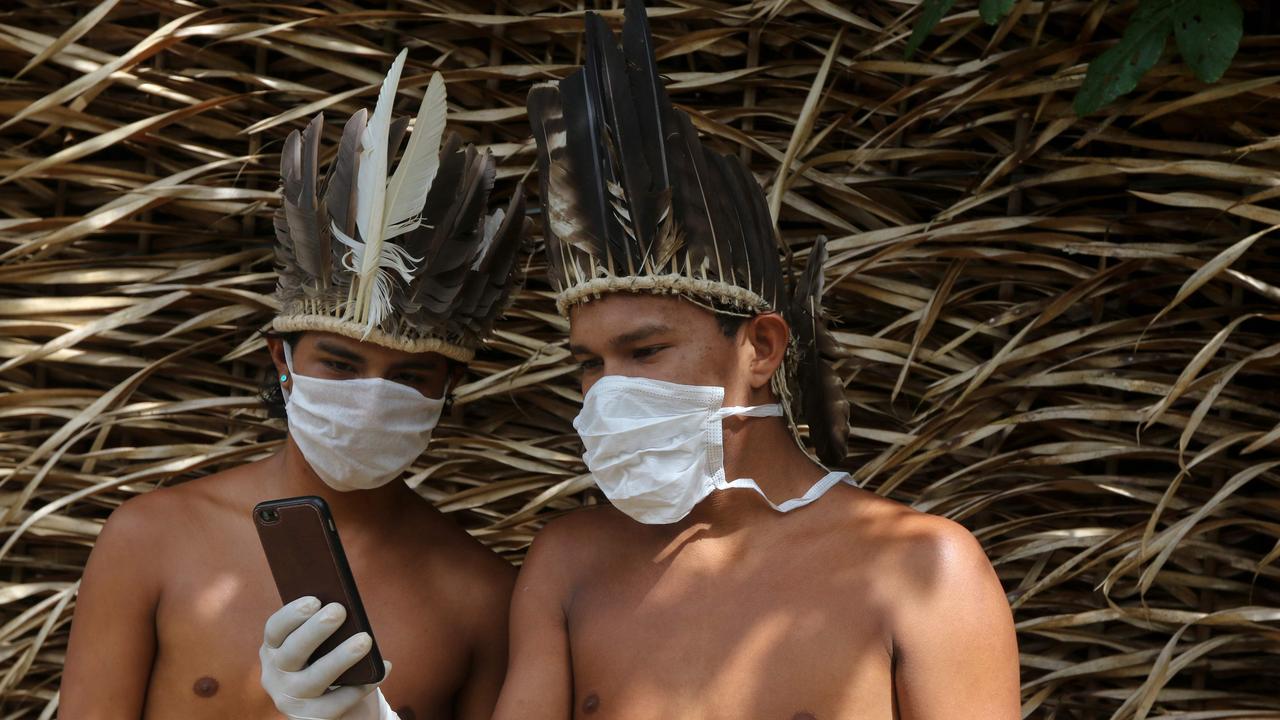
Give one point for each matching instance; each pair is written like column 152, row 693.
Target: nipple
column 205, row 687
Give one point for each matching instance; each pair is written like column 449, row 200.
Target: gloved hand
column 302, row 692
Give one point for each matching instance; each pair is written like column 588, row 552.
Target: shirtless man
column 700, row 594
column 163, row 625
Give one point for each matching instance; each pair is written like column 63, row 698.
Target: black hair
column 729, row 317
column 730, row 323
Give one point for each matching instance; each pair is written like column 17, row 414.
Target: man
column 387, row 286
column 732, row 577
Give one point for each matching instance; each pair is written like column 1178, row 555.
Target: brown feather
column 819, row 397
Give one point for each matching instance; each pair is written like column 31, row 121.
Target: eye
column 590, row 365
column 338, row 366
column 410, row 379
column 647, row 352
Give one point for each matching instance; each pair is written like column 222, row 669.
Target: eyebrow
column 421, row 365
column 339, row 351
column 640, row 333
column 354, row 357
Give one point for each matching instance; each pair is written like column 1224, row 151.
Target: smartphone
column 305, row 553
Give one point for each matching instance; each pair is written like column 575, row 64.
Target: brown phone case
column 305, row 553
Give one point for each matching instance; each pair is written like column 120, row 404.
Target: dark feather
column 453, row 239
column 651, row 103
column 735, row 234
column 440, row 197
column 306, row 219
column 633, row 194
column 570, row 239
column 692, row 196
column 487, row 282
column 586, row 163
column 395, row 137
column 758, row 267
column 819, row 394
column 289, row 277
column 340, row 186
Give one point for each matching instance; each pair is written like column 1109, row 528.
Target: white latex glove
column 303, row 692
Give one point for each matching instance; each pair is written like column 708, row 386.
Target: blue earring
column 284, row 378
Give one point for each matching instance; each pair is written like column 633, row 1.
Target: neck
column 357, row 511
column 761, row 449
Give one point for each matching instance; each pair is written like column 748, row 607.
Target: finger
column 325, row 671
column 302, row 642
column 287, row 619
column 339, row 702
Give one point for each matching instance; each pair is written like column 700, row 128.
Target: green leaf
column 1118, row 70
column 1208, row 34
column 930, row 16
column 993, row 10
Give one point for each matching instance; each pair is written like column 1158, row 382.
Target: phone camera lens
column 268, row 516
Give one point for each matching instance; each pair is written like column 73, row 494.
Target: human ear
column 767, row 335
column 275, row 345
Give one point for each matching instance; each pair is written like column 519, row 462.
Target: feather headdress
column 409, row 259
column 633, row 202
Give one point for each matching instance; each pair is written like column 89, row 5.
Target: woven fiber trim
column 356, row 331
column 714, row 290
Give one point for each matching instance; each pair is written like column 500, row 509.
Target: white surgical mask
column 358, row 434
column 656, row 449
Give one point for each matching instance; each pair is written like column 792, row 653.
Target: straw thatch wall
column 1061, row 332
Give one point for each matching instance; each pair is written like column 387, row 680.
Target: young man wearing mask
column 388, row 283
column 733, row 576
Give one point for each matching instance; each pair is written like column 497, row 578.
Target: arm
column 539, row 684
column 113, row 634
column 488, row 666
column 955, row 651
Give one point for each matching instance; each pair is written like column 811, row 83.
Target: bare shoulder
column 918, row 552
column 930, row 570
column 163, row 518
column 584, row 533
column 573, row 545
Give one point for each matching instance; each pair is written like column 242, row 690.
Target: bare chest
column 209, row 627
column 772, row 640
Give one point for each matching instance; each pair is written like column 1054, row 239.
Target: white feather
column 371, row 189
column 407, row 190
column 391, row 259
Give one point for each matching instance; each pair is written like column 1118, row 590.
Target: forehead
column 618, row 313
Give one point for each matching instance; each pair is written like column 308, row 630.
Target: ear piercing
column 284, row 377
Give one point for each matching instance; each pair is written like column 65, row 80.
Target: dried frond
column 1062, row 332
